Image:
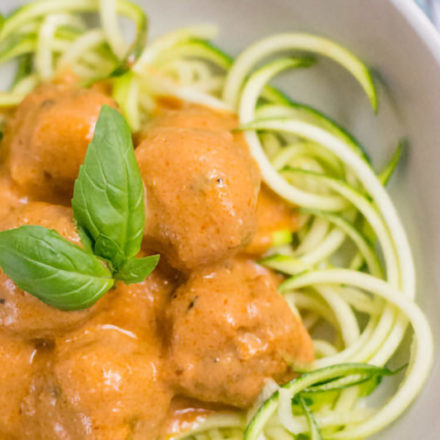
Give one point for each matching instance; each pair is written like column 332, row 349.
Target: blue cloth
column 432, row 10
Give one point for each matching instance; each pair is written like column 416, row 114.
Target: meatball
column 21, row 313
column 49, row 136
column 50, row 216
column 230, row 330
column 104, row 384
column 186, row 115
column 273, row 214
column 10, row 196
column 138, row 308
column 202, row 187
column 16, row 369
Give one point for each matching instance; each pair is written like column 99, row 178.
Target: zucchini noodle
column 348, row 267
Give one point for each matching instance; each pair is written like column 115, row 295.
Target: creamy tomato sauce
column 273, row 214
column 203, row 332
column 185, row 413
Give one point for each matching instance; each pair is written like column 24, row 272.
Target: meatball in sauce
column 202, row 186
column 49, row 136
column 103, row 383
column 230, row 330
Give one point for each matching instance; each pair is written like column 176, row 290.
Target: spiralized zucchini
column 348, row 266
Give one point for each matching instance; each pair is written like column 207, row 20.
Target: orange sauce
column 206, row 324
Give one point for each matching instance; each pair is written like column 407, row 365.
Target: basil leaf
column 43, row 263
column 85, row 239
column 137, row 269
column 108, row 249
column 108, row 201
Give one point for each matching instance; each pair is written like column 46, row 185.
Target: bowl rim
column 423, row 27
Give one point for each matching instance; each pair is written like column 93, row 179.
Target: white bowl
column 398, row 42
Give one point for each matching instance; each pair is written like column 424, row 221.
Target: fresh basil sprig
column 108, row 199
column 109, row 210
